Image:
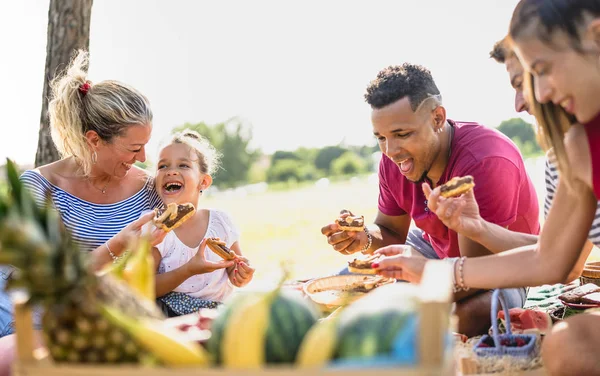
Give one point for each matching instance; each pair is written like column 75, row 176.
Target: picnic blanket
column 545, row 297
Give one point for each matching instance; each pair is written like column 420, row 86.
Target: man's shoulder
column 480, row 142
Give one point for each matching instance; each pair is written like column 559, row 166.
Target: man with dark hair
column 420, row 144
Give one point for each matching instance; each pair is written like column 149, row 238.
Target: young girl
column 558, row 43
column 191, row 276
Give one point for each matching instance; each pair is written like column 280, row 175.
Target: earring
column 94, row 157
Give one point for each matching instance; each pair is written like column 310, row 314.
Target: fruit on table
column 256, row 328
column 167, row 344
column 370, row 326
column 56, row 275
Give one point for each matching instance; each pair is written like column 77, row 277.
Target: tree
column 522, row 134
column 231, row 138
column 348, row 163
column 327, row 155
column 68, row 31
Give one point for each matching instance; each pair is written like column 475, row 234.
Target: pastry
column 220, row 248
column 457, row 186
column 173, row 215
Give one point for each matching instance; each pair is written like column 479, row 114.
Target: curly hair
column 396, row 82
column 208, row 156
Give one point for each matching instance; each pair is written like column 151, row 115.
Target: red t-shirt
column 503, row 189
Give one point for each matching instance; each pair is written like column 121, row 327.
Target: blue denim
column 6, row 308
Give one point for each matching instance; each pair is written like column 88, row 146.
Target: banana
column 243, row 345
column 167, row 344
column 139, row 270
column 318, row 346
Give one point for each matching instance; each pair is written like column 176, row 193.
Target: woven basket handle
column 498, row 295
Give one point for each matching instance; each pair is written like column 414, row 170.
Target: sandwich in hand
column 220, row 248
column 363, row 265
column 173, row 215
column 457, row 186
column 350, row 222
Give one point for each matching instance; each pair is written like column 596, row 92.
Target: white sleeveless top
column 211, row 286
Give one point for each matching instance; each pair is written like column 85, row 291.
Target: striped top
column 91, row 225
column 551, row 184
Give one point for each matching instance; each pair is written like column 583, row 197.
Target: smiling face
column 408, row 138
column 515, row 74
column 562, row 75
column 178, row 175
column 116, row 157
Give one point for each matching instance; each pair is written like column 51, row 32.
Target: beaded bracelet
column 369, row 241
column 461, row 275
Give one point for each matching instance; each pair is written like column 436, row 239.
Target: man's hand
column 401, row 263
column 460, row 214
column 345, row 242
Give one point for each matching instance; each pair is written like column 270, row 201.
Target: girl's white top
column 211, row 286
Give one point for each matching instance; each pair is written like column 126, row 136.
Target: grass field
column 284, row 226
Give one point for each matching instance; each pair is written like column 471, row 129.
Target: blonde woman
column 100, row 130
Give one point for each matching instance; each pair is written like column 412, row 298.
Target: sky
column 295, row 70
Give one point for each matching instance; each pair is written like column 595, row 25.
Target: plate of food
column 582, row 297
column 332, row 292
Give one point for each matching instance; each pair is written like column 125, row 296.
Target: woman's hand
column 241, row 273
column 200, row 265
column 460, row 214
column 135, row 229
column 400, row 262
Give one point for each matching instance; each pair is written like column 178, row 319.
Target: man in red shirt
column 421, row 145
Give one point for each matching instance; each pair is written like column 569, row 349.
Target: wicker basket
column 527, row 350
column 590, row 273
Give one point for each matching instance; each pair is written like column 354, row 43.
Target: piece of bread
column 457, row 186
column 220, row 248
column 173, row 215
column 593, row 298
column 575, row 296
column 350, row 222
column 362, row 265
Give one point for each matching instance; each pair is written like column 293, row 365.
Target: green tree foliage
column 348, row 163
column 286, row 170
column 522, row 134
column 231, row 138
column 327, row 155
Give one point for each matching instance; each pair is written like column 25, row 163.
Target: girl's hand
column 200, row 265
column 135, row 229
column 241, row 273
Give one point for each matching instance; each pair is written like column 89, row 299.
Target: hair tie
column 85, row 87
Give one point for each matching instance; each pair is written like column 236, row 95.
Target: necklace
column 103, row 190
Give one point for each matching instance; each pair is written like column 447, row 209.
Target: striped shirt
column 551, row 184
column 91, row 225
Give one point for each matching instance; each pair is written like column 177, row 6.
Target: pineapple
column 56, row 275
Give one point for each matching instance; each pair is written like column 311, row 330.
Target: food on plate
column 593, row 298
column 173, row 215
column 363, row 265
column 220, row 248
column 350, row 222
column 457, row 186
column 574, row 296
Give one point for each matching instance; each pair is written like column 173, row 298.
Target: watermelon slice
column 527, row 320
